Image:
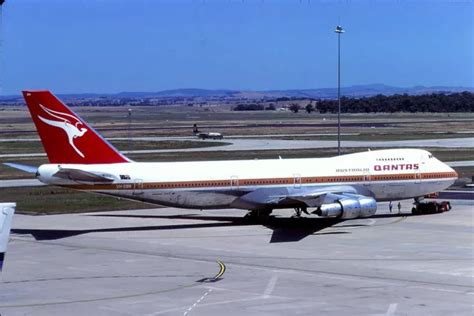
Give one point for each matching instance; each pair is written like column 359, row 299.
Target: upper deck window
column 390, row 159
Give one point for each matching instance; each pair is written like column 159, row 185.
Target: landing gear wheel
column 297, row 212
column 260, row 216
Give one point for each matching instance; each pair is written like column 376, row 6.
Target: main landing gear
column 258, row 215
column 299, row 210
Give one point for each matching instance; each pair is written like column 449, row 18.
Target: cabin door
column 418, row 171
column 367, row 179
column 297, row 181
column 138, row 187
column 417, row 176
column 234, row 183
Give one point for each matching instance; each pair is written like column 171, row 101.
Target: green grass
column 56, row 200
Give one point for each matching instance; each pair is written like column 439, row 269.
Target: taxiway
column 163, row 261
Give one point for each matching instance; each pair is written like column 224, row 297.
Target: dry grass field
column 15, row 122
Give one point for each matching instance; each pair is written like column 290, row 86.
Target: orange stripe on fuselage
column 264, row 181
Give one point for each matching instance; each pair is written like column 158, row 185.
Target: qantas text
column 408, row 166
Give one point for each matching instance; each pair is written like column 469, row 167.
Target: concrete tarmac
column 163, row 262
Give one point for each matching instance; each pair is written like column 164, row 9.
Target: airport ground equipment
column 6, row 214
column 432, row 207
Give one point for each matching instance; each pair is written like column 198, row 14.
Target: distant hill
column 366, row 91
column 323, row 93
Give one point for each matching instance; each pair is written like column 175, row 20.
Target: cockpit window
column 430, row 156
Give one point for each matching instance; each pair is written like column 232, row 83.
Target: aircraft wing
column 300, row 196
column 83, row 176
column 6, row 215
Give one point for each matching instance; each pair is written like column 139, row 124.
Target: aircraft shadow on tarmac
column 284, row 229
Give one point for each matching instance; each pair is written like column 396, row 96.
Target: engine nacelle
column 368, row 206
column 329, row 210
column 348, row 208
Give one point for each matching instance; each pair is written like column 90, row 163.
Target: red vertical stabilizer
column 65, row 136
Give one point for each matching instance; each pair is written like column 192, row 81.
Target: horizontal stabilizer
column 83, row 176
column 26, row 168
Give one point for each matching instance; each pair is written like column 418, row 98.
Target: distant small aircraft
column 210, row 135
column 206, row 135
column 6, row 215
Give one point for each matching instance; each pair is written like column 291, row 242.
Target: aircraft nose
column 454, row 172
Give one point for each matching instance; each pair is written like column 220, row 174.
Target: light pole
column 1, row 45
column 129, row 129
column 339, row 31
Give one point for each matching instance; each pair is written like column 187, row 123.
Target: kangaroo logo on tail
column 68, row 123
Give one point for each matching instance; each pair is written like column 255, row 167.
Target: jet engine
column 347, row 208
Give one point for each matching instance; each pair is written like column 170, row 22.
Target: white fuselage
column 387, row 174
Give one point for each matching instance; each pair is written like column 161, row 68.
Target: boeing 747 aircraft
column 346, row 187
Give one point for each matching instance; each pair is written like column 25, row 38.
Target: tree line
column 436, row 102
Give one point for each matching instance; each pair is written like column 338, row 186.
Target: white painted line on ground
column 270, row 286
column 197, row 302
column 237, row 291
column 391, row 309
column 210, row 304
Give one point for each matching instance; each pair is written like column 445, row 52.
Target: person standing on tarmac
column 399, row 207
column 390, row 206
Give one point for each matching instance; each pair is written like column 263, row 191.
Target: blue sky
column 117, row 45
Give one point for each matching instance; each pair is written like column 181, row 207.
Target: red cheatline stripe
column 264, row 181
